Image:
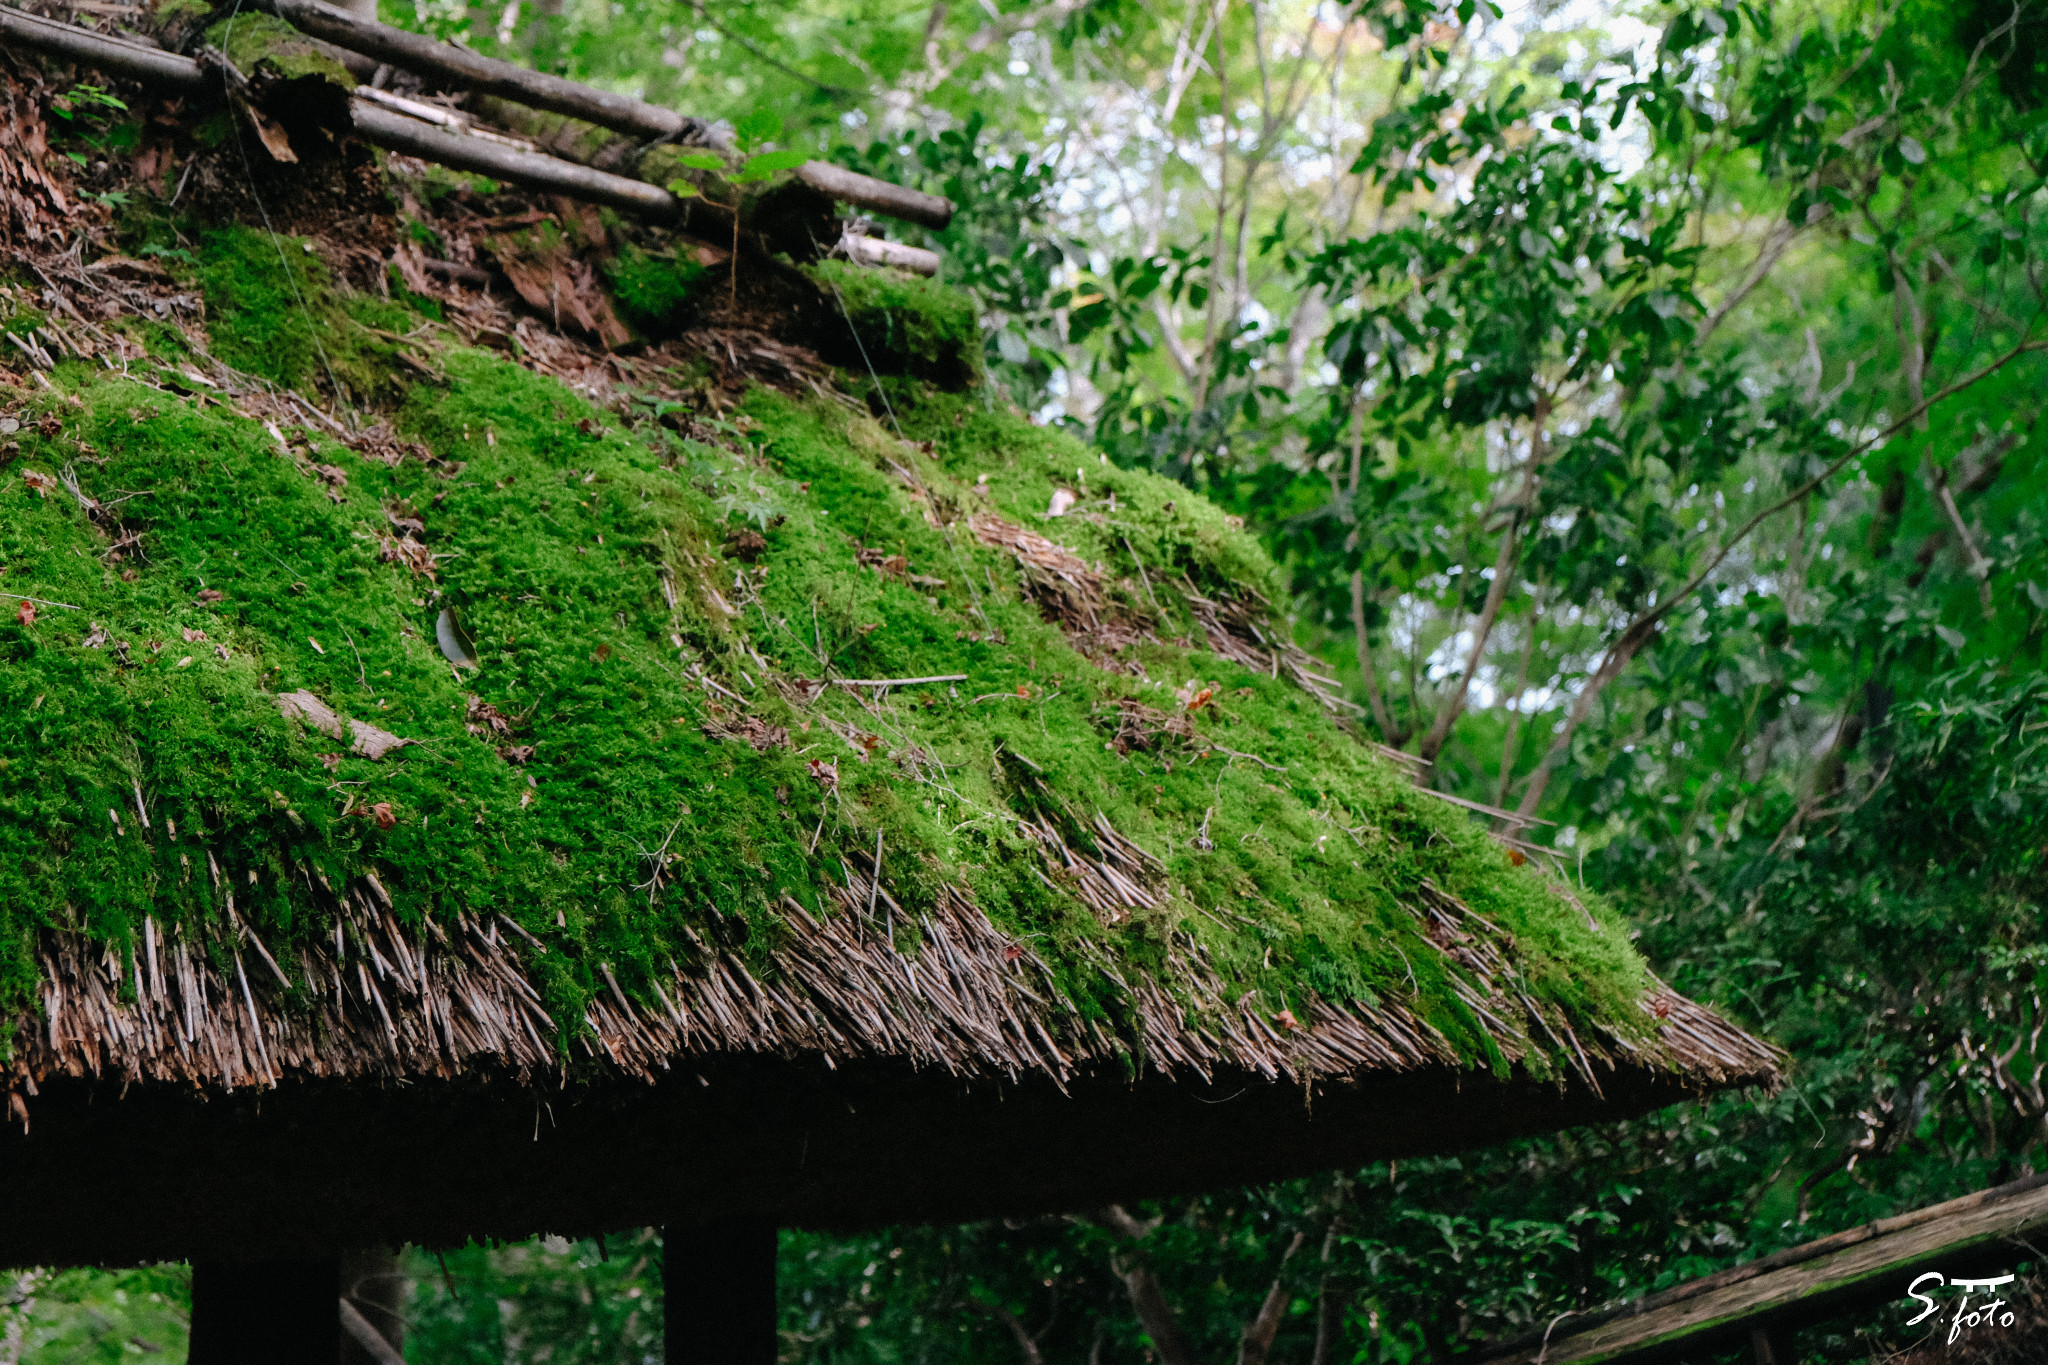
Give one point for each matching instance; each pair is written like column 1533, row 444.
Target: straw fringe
column 379, row 1000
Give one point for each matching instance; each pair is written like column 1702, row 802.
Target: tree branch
column 1257, row 1341
column 1148, row 1299
column 1979, row 567
column 1380, row 716
column 1644, row 626
column 1329, row 1304
column 1766, row 259
column 1496, row 592
column 1027, row 1345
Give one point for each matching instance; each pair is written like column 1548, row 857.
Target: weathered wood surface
column 877, row 196
column 874, row 251
column 461, row 151
column 1865, row 1265
column 423, row 56
column 622, row 113
column 154, row 66
column 385, row 127
column 148, row 64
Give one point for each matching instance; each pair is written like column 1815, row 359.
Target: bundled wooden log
column 459, row 149
column 537, row 89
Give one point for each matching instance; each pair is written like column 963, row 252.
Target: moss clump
column 635, row 765
column 265, row 47
column 271, row 311
column 258, row 302
column 652, row 289
column 18, row 316
column 907, row 325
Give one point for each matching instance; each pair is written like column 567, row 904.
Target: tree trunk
column 264, row 1312
column 718, row 1283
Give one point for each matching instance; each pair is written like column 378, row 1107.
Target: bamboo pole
column 622, row 113
column 387, row 128
column 874, row 251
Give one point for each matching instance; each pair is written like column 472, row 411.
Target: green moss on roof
column 906, row 324
column 636, row 756
column 263, row 45
column 652, row 289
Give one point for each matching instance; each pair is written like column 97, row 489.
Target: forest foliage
column 1641, row 401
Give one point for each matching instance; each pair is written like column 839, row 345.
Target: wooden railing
column 1757, row 1303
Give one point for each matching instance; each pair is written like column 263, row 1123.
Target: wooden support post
column 718, row 1284
column 264, row 1312
column 1767, row 1346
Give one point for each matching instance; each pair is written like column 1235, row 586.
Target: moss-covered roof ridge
column 523, row 735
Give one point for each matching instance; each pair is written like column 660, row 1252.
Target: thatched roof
column 842, row 798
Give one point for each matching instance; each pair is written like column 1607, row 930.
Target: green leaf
column 763, row 125
column 765, row 164
column 701, row 161
column 681, row 189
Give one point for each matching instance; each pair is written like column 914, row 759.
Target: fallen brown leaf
column 483, row 716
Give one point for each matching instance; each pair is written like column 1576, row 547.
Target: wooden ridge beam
column 479, row 154
column 1862, row 1266
column 621, row 113
column 398, row 132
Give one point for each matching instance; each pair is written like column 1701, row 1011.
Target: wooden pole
column 151, row 65
column 533, row 170
column 622, row 113
column 423, row 56
column 718, row 1285
column 265, row 1312
column 874, row 251
column 462, row 151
